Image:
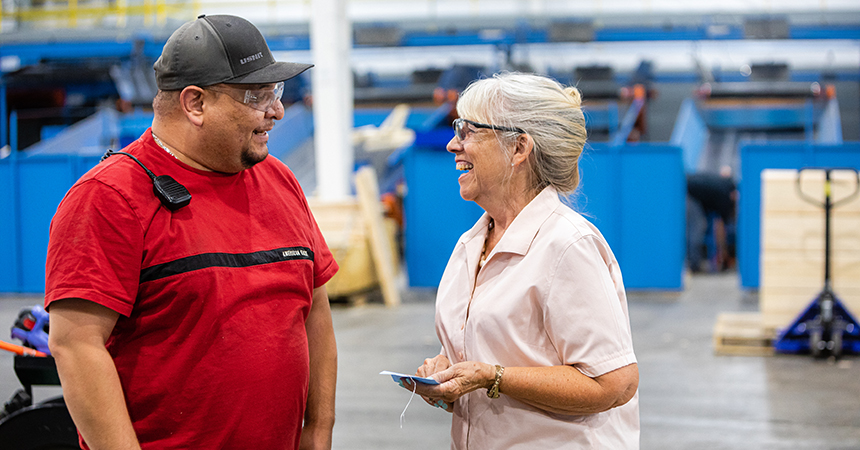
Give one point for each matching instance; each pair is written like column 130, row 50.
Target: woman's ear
column 524, row 147
column 191, row 101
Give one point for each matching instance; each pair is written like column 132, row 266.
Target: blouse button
column 462, row 357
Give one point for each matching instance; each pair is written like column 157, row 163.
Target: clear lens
column 263, row 99
column 279, row 90
column 259, row 99
column 460, row 129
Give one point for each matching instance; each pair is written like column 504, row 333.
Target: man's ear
column 191, row 101
column 524, row 147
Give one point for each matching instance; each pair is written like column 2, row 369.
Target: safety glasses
column 259, row 99
column 461, row 128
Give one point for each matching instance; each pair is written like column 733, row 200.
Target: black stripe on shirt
column 202, row 261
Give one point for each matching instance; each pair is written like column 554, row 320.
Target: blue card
column 397, row 376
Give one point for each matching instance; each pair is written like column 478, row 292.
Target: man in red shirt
column 201, row 323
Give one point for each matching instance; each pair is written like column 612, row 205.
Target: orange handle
column 20, row 350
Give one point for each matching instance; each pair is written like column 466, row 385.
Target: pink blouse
column 549, row 294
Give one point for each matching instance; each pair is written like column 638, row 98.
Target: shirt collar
column 522, row 231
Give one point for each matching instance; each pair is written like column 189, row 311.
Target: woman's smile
column 464, row 166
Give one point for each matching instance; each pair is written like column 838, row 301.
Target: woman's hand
column 433, row 365
column 454, row 381
column 430, row 367
column 462, row 378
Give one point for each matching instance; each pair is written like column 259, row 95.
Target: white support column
column 331, row 42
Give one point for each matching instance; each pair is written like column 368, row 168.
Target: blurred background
column 699, row 115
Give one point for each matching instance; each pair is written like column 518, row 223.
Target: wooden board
column 743, row 334
column 805, row 231
column 783, row 196
column 801, row 269
column 367, row 188
column 792, row 244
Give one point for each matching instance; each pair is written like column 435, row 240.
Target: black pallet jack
column 28, row 426
column 826, row 327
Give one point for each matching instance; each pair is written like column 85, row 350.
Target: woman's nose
column 454, row 145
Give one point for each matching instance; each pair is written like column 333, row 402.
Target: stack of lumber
column 792, row 244
column 792, row 257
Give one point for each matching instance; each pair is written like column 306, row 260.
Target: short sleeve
column 95, row 248
column 586, row 316
column 325, row 266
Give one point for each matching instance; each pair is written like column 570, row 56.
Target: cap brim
column 273, row 73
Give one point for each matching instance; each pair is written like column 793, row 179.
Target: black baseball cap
column 219, row 49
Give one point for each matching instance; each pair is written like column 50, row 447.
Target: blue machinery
column 809, row 114
column 808, row 133
column 633, row 191
column 615, row 179
column 641, row 214
column 35, row 181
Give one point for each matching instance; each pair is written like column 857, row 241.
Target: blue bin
column 776, row 155
column 634, row 193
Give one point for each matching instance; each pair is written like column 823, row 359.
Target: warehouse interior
column 764, row 94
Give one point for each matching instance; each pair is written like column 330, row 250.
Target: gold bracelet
column 493, row 392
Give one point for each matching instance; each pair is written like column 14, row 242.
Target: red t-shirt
column 210, row 345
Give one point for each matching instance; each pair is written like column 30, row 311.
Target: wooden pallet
column 743, row 333
column 362, row 242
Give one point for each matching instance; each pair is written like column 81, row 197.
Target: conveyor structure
column 105, row 85
column 754, row 125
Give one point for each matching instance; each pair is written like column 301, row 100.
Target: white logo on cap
column 248, row 59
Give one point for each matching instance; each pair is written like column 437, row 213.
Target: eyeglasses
column 462, row 130
column 259, row 99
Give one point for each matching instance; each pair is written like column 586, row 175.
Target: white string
column 403, row 414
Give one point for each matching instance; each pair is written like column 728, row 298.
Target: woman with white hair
column 531, row 306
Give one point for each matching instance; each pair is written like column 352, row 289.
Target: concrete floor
column 690, row 398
